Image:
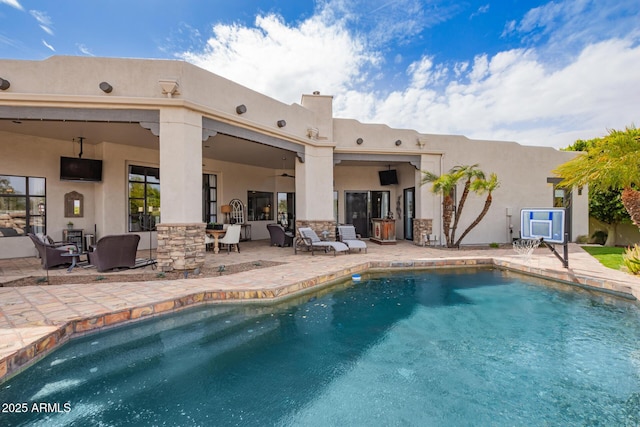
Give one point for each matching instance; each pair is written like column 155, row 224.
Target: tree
column 604, row 205
column 445, row 185
column 470, row 173
column 607, row 207
column 610, row 163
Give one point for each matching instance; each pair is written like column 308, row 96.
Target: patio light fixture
column 4, row 84
column 281, row 123
column 241, row 109
column 106, row 87
column 359, row 141
column 398, row 142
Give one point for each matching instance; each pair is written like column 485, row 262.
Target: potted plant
column 217, row 226
column 70, row 225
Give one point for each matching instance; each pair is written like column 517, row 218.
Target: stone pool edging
column 14, row 362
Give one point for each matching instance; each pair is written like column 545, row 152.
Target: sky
column 543, row 73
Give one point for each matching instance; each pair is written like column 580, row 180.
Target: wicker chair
column 279, row 237
column 115, row 251
column 50, row 252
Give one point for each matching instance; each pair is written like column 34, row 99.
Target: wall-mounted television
column 78, row 169
column 389, row 177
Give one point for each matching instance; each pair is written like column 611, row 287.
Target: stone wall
column 319, row 226
column 422, row 228
column 14, row 223
column 180, row 246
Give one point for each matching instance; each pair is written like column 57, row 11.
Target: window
column 287, row 210
column 259, row 206
column 22, row 205
column 144, row 198
column 209, row 198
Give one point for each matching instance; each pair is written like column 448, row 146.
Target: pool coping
column 55, row 335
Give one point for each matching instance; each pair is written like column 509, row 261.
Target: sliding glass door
column 409, row 212
column 361, row 206
column 356, row 211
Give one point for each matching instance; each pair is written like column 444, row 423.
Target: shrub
column 494, row 245
column 631, row 259
column 582, row 239
column 599, row 237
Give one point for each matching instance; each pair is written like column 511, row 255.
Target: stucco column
column 428, row 205
column 314, row 190
column 181, row 232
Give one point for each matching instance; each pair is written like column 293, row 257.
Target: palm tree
column 613, row 162
column 444, row 185
column 480, row 186
column 470, row 173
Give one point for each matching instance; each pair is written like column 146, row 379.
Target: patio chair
column 50, row 252
column 279, row 237
column 309, row 239
column 115, row 251
column 349, row 237
column 231, row 237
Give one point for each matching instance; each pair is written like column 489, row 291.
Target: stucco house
column 176, row 143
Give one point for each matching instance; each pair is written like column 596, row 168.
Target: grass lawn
column 609, row 257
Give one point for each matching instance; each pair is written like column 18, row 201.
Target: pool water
column 442, row 348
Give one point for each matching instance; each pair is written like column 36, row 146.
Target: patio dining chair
column 309, row 239
column 348, row 236
column 231, row 237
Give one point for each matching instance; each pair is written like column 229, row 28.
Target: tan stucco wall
column 522, row 171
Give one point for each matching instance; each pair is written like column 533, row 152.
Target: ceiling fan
column 284, row 174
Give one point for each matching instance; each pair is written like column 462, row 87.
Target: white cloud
column 481, row 10
column 525, row 95
column 43, row 20
column 12, row 3
column 48, row 46
column 513, row 96
column 84, row 50
column 285, row 61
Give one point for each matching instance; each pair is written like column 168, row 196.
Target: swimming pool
column 449, row 347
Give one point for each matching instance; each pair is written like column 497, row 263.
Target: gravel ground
column 142, row 276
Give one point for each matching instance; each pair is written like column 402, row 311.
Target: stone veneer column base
column 180, row 246
column 421, row 230
column 319, row 226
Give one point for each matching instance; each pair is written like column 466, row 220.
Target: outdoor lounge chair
column 349, row 237
column 115, row 251
column 279, row 237
column 51, row 252
column 310, row 240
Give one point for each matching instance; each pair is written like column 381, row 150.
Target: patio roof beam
column 79, row 114
column 212, row 127
column 414, row 160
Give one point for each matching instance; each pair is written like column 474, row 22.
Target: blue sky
column 536, row 72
